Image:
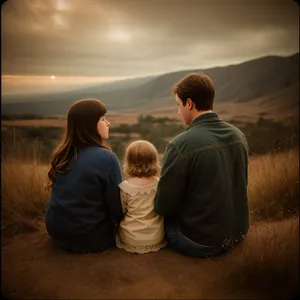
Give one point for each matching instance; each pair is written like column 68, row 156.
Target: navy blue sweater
column 85, row 201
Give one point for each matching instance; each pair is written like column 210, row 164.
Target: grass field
column 273, row 189
column 114, row 119
column 265, row 266
column 242, row 112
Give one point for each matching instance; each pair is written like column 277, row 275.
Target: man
column 202, row 192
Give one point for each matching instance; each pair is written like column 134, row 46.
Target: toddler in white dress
column 142, row 229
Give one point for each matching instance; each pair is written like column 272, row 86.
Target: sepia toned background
column 129, row 53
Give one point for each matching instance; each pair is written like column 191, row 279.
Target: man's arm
column 112, row 193
column 172, row 183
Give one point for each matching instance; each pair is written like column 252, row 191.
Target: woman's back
column 84, row 199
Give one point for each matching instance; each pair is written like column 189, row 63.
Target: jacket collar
column 207, row 117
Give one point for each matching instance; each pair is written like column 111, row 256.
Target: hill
column 263, row 80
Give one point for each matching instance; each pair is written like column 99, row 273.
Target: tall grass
column 274, row 185
column 269, row 260
column 23, row 191
column 273, row 188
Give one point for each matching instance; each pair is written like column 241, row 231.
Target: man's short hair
column 199, row 88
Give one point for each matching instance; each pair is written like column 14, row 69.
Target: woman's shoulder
column 99, row 156
column 100, row 152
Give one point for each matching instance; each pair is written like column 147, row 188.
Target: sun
column 52, row 77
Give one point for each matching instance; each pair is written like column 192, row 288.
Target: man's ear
column 189, row 103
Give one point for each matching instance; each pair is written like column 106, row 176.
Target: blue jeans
column 181, row 243
column 93, row 242
column 106, row 244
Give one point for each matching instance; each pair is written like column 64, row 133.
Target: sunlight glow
column 24, row 84
column 62, row 4
column 119, row 36
column 59, row 20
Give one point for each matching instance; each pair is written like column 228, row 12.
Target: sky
column 60, row 44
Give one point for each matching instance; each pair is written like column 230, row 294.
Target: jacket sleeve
column 112, row 191
column 124, row 201
column 172, row 183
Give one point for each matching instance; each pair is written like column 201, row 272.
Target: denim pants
column 104, row 245
column 91, row 243
column 181, row 243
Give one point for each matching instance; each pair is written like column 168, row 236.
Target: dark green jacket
column 203, row 184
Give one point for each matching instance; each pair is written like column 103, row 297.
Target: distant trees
column 155, row 130
column 151, row 119
column 263, row 136
column 19, row 140
column 267, row 136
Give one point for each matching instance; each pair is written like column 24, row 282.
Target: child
column 142, row 229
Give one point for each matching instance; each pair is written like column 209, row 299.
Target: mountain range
column 268, row 83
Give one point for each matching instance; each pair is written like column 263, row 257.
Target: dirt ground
column 32, row 268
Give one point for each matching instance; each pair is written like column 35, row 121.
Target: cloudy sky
column 86, row 41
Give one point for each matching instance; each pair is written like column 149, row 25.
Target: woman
column 84, row 177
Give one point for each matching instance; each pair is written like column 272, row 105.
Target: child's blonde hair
column 141, row 160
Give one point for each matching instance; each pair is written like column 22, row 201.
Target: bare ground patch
column 265, row 266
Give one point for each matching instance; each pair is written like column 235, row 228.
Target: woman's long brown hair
column 81, row 132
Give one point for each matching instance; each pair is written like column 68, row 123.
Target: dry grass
column 273, row 189
column 269, row 260
column 34, row 123
column 115, row 119
column 274, row 185
column 266, row 264
column 23, row 195
column 119, row 134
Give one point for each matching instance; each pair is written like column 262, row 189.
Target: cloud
column 132, row 37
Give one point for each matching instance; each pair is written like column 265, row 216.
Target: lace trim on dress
column 141, row 249
column 134, row 190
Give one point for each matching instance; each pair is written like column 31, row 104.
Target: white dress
column 142, row 229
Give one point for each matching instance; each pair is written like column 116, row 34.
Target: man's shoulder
column 187, row 138
column 180, row 142
column 236, row 130
column 178, row 139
